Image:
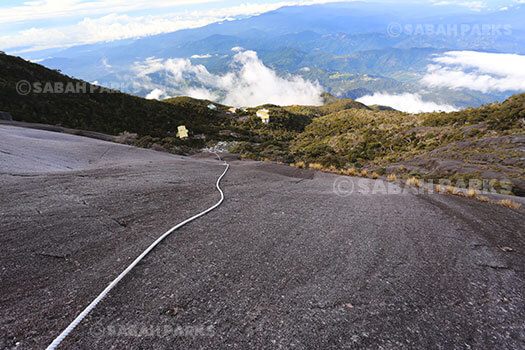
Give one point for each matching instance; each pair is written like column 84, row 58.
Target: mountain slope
column 98, row 110
column 477, row 143
column 283, row 263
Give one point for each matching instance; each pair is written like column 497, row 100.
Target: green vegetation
column 104, row 112
column 476, row 143
column 343, row 135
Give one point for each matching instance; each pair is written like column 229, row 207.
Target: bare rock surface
column 283, row 263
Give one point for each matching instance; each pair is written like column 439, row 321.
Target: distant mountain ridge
column 329, row 39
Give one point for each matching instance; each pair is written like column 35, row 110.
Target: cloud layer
column 249, row 83
column 411, row 103
column 480, row 71
column 108, row 20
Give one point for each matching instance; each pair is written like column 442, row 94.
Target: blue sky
column 38, row 24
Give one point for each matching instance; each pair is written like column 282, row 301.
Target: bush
column 126, row 138
column 299, row 164
column 413, row 181
column 391, row 177
column 472, row 193
column 509, row 204
column 315, row 166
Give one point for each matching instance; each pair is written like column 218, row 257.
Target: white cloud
column 480, row 71
column 107, row 28
column 254, row 84
column 250, row 83
column 105, row 63
column 108, row 20
column 200, row 93
column 406, row 102
column 46, row 9
column 156, row 94
column 201, row 56
column 473, row 5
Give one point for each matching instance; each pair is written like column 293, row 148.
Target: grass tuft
column 509, row 204
column 413, row 181
column 375, row 175
column 472, row 193
column 299, row 165
column 451, row 190
column 331, row 169
column 391, row 177
column 315, row 166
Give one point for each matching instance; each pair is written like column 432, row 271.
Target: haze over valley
column 413, row 57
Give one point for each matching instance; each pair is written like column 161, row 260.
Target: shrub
column 126, row 137
column 364, row 173
column 413, row 181
column 509, row 204
column 331, row 169
column 351, row 172
column 483, row 199
column 381, row 171
column 299, row 164
column 391, row 177
column 375, row 175
column 144, row 141
column 315, row 166
column 157, row 147
column 472, row 193
column 451, row 190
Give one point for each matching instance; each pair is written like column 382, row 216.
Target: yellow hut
column 182, row 132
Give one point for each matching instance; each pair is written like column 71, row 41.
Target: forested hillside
column 97, row 109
